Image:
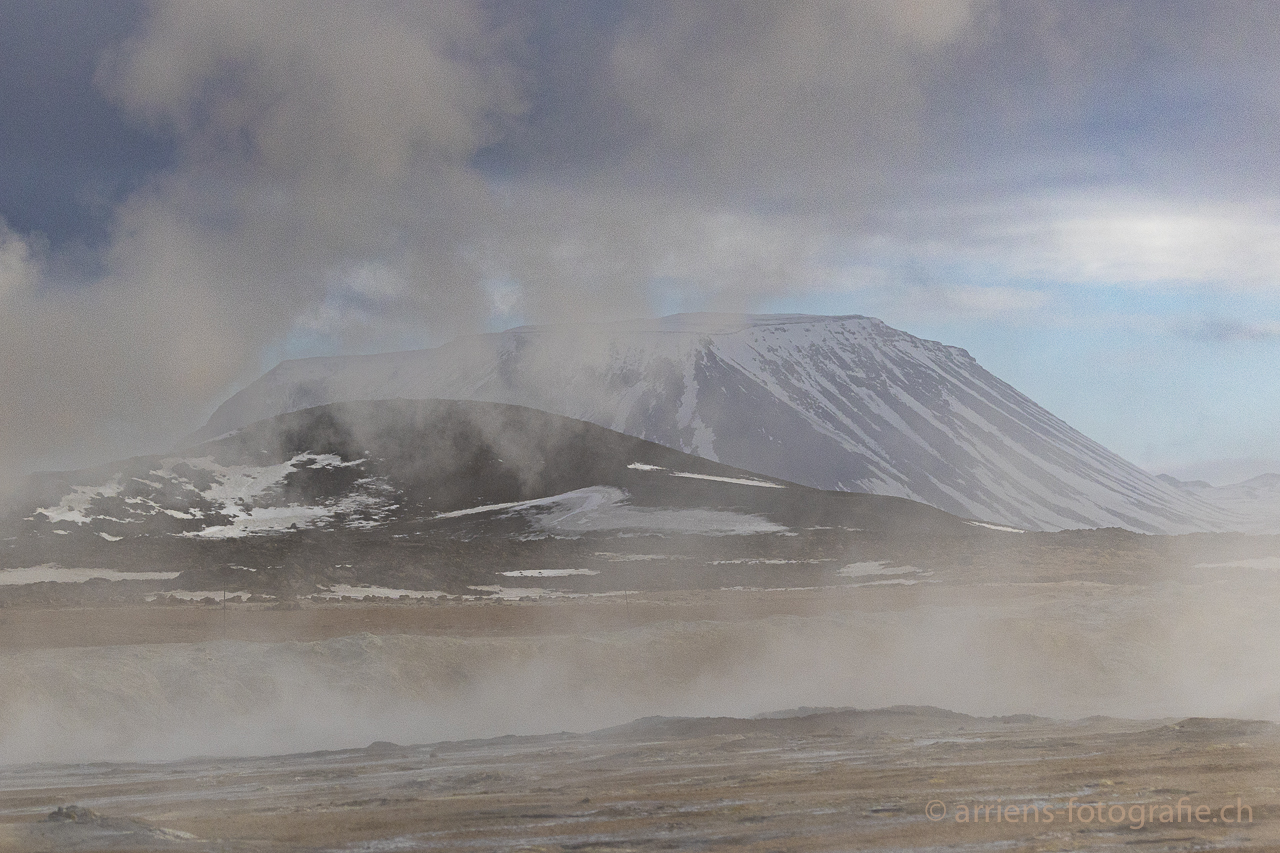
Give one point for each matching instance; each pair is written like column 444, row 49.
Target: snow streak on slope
column 843, row 403
column 600, row 508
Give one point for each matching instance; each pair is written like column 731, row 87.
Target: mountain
column 1225, row 471
column 1256, row 501
column 451, row 496
column 842, row 403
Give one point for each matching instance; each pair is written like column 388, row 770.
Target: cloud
column 322, row 173
column 1101, row 238
column 1027, row 142
column 756, row 101
column 19, row 268
column 352, row 178
column 66, row 154
column 581, row 254
column 1228, row 246
column 314, row 140
column 1226, row 331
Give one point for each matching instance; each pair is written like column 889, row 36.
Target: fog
column 1065, row 651
column 1168, row 644
column 237, row 186
column 1083, row 195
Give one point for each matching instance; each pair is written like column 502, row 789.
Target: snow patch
column 264, row 520
column 338, row 590
column 768, row 562
column 628, row 558
column 331, row 460
column 999, row 527
column 515, row 593
column 243, row 493
column 72, row 507
column 52, row 573
column 601, row 508
column 740, row 481
column 881, row 567
column 476, row 510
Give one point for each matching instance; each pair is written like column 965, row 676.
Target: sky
column 1084, row 195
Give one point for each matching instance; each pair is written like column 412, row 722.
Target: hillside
column 838, row 403
column 446, row 496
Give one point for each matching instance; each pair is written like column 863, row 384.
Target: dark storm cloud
column 1088, row 142
column 1112, row 91
column 573, row 121
column 321, row 159
column 734, row 99
column 810, row 101
column 67, row 155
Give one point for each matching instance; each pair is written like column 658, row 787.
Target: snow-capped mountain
column 844, row 403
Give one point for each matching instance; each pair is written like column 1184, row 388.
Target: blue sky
column 1084, row 195
column 1159, row 390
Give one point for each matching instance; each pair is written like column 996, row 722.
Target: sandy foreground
column 824, row 782
column 300, row 713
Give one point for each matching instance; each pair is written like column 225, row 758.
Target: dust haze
column 426, row 573
column 1064, row 651
column 1075, row 635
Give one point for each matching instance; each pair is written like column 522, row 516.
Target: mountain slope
column 843, row 403
column 447, row 495
column 1256, row 501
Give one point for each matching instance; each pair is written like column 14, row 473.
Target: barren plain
column 634, row 722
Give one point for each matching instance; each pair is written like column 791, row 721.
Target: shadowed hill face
column 458, row 454
column 439, row 493
column 448, row 455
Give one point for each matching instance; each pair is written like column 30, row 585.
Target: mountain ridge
column 846, row 403
column 454, row 496
column 1256, row 501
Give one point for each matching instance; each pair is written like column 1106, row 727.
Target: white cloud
column 19, row 267
column 312, row 137
column 1122, row 241
column 928, row 22
column 1138, row 243
column 327, row 193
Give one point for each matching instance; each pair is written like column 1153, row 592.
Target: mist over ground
column 1066, row 651
column 199, row 202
